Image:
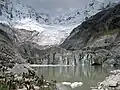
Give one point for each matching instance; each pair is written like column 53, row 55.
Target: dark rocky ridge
column 104, row 22
column 9, row 53
column 6, row 45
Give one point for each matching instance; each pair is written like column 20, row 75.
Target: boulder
column 98, row 59
column 110, row 62
column 111, row 82
column 20, row 69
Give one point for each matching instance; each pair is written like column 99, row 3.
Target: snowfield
column 47, row 34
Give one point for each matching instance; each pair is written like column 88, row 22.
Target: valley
column 72, row 51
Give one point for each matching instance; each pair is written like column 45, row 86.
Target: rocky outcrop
column 110, row 83
column 35, row 54
column 6, row 50
column 9, row 54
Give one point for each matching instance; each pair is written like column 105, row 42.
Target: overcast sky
column 56, row 6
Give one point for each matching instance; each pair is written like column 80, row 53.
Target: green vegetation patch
column 3, row 87
column 111, row 32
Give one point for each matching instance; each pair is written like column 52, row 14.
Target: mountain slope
column 9, row 54
column 12, row 11
column 98, row 38
column 93, row 32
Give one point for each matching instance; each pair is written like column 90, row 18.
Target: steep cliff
column 8, row 51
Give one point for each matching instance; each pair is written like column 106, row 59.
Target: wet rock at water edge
column 110, row 83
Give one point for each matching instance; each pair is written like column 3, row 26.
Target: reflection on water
column 89, row 75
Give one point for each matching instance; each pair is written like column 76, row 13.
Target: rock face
column 111, row 83
column 6, row 49
column 50, row 55
column 100, row 34
column 9, row 54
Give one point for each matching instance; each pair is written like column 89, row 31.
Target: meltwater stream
column 88, row 75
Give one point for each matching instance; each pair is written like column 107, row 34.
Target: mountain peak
column 24, row 16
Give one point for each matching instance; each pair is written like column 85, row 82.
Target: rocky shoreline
column 21, row 77
column 112, row 82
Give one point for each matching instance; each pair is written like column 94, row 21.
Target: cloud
column 56, row 6
column 51, row 4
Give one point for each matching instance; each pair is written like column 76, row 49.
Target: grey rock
column 115, row 72
column 109, row 62
column 20, row 69
column 111, row 82
column 99, row 58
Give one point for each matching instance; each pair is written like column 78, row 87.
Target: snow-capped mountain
column 14, row 10
column 79, row 15
column 11, row 11
column 51, row 30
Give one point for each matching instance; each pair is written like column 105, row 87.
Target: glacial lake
column 88, row 75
